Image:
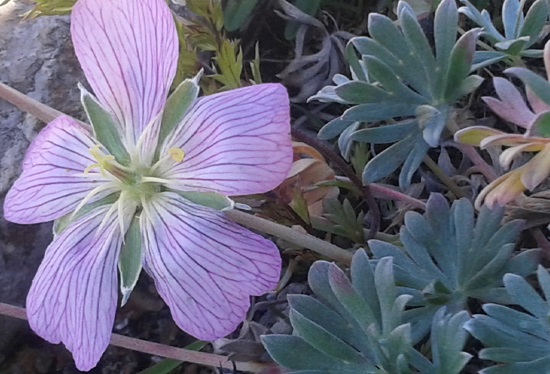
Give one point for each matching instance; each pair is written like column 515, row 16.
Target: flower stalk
column 156, row 349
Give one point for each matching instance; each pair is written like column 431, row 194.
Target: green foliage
column 518, row 340
column 237, row 12
column 358, row 326
column 449, row 257
column 230, row 64
column 310, row 7
column 50, row 8
column 205, row 35
column 398, row 76
column 343, row 220
column 520, row 31
column 168, row 365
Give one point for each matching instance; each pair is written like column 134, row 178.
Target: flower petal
column 537, row 169
column 53, row 183
column 502, row 190
column 128, row 50
column 511, row 106
column 235, row 142
column 73, row 296
column 205, row 267
column 473, row 135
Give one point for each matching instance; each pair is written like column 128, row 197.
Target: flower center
column 136, row 182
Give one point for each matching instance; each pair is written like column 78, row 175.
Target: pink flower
column 145, row 193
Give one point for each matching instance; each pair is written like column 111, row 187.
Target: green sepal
column 130, row 260
column 60, row 224
column 208, row 199
column 177, row 105
column 104, row 125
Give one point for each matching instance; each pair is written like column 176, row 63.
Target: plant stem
column 474, row 156
column 46, row 114
column 26, row 104
column 447, row 181
column 181, row 354
column 380, row 191
column 286, row 233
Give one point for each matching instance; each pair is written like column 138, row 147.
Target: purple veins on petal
column 205, row 267
column 73, row 296
column 235, row 143
column 53, row 182
column 128, row 50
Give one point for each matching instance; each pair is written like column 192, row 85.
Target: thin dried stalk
column 201, row 358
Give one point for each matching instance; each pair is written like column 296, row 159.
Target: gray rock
column 36, row 58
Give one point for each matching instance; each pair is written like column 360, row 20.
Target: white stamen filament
column 154, row 180
column 92, row 194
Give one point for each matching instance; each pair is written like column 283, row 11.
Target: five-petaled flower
column 137, row 187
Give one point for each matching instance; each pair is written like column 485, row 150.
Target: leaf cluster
column 521, row 31
column 403, row 311
column 401, row 92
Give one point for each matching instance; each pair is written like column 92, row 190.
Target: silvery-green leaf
column 432, row 122
column 106, row 130
column 469, row 85
column 380, row 72
column 294, row 353
column 130, row 260
column 348, row 297
column 357, row 92
column 460, row 63
column 512, row 18
column 447, row 340
column 362, row 276
column 516, row 339
column 536, row 18
column 357, row 67
column 483, row 19
column 390, row 41
column 486, row 58
column 417, row 40
column 327, row 95
column 451, row 257
column 324, row 341
column 384, row 134
column 334, row 128
column 375, row 112
column 532, row 53
column 386, row 162
column 513, row 46
column 413, row 160
column 445, row 24
column 323, row 316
